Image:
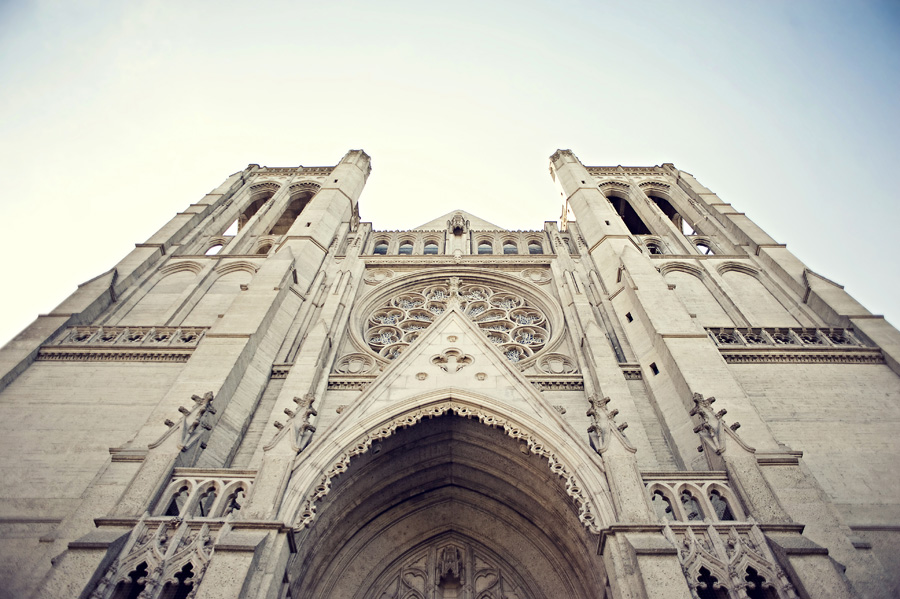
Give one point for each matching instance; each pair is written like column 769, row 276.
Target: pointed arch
column 568, row 458
column 446, row 463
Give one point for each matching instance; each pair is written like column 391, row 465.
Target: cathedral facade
column 268, row 399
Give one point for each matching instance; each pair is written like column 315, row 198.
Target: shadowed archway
column 447, row 508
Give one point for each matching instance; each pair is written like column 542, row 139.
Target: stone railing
column 794, row 345
column 205, row 493
column 692, row 497
column 128, row 344
column 131, row 336
column 781, row 337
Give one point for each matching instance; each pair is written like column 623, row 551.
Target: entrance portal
column 447, row 508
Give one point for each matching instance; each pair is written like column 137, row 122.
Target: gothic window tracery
column 691, row 507
column 507, row 319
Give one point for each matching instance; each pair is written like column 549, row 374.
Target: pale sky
column 117, row 115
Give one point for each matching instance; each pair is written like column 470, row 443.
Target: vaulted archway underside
column 447, row 508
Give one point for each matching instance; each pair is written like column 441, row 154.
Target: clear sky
column 117, row 115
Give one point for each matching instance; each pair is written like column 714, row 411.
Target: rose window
column 507, row 319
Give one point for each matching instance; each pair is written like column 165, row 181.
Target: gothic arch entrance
column 447, row 508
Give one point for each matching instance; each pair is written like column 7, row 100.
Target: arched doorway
column 443, row 509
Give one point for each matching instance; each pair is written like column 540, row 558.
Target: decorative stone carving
column 376, row 276
column 507, row 318
column 557, row 364
column 442, row 566
column 452, row 360
column 539, row 276
column 458, row 225
column 298, row 423
column 603, row 425
column 194, row 425
column 728, row 557
column 574, row 488
column 711, row 427
column 159, row 553
column 355, row 364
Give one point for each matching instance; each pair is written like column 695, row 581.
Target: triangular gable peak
column 454, row 354
column 474, row 223
column 451, row 368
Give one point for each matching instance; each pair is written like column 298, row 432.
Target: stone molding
column 574, row 488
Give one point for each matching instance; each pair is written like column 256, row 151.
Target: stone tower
column 270, row 400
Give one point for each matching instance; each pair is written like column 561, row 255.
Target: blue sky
column 118, row 115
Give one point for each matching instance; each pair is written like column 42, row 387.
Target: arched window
column 720, row 506
column 258, row 202
column 509, row 247
column 654, row 248
column 406, row 248
column 631, row 219
column 534, row 247
column 380, row 248
column 431, row 248
column 757, row 587
column 131, row 588
column 662, row 506
column 706, row 586
column 181, row 588
column 264, row 249
column 673, row 215
column 691, row 508
column 214, row 250
column 176, row 504
column 205, row 503
column 290, row 214
column 485, row 247
column 234, row 501
column 704, row 248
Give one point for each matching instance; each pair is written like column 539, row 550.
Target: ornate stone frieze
column 534, row 445
column 557, row 383
column 349, row 383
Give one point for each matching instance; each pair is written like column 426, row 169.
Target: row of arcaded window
column 690, row 507
column 431, row 248
column 655, row 247
column 205, row 506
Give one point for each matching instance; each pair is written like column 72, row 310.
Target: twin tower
column 268, row 399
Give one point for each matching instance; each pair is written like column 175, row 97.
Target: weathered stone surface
column 300, row 404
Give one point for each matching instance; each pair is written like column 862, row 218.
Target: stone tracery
column 507, row 318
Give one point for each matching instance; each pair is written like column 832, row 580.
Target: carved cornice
column 81, row 354
column 801, row 357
